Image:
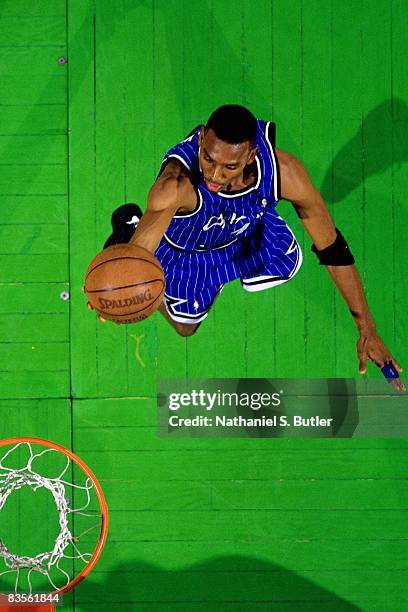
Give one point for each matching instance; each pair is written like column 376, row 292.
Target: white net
column 56, row 564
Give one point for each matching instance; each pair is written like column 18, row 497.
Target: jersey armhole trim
column 270, row 130
column 183, row 215
column 174, row 156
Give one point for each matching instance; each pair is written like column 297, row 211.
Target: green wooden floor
column 206, row 525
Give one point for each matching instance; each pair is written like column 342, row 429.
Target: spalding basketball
column 125, row 283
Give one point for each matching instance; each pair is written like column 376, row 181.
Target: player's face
column 223, row 163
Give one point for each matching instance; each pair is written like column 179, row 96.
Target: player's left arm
column 333, row 251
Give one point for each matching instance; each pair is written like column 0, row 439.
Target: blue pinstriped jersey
column 224, row 217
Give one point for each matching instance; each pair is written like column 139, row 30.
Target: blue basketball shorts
column 269, row 257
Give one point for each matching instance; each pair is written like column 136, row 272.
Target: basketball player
column 211, row 218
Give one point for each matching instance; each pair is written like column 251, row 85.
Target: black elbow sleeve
column 336, row 254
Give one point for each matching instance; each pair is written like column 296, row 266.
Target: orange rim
column 101, row 498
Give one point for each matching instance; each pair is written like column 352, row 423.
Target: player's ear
column 201, row 136
column 251, row 155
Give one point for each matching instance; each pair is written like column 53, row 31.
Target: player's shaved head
column 233, row 124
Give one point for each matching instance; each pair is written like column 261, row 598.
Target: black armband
column 336, row 254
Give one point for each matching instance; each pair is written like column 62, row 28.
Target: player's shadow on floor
column 333, row 398
column 217, row 585
column 381, row 142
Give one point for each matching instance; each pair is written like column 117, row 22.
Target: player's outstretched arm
column 332, row 250
column 164, row 199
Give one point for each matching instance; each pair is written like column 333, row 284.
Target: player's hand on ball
column 100, row 317
column 124, row 283
column 90, row 307
column 371, row 347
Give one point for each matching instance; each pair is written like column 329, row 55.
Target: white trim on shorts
column 182, row 317
column 259, row 283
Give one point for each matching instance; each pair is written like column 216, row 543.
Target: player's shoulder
column 294, row 177
column 175, row 182
column 173, row 168
column 288, row 161
column 184, row 153
column 285, row 157
column 170, row 191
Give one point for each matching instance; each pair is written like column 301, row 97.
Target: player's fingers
column 83, row 288
column 362, row 366
column 398, row 384
column 89, row 306
column 102, row 320
column 401, row 385
column 362, row 360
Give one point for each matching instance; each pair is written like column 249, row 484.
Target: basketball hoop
column 55, row 565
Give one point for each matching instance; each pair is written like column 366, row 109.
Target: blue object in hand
column 389, row 371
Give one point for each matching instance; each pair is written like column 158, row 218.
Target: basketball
column 125, row 283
